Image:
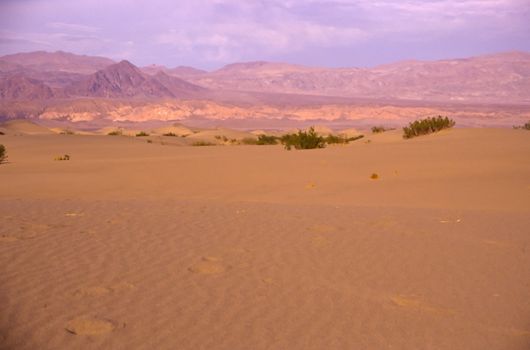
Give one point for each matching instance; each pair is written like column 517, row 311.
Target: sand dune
column 177, row 129
column 24, row 127
column 130, row 245
column 220, row 135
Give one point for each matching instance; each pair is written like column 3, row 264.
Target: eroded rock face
column 20, row 87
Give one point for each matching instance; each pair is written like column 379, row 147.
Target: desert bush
column 303, row 140
column 355, row 138
column 221, row 138
column 374, row 176
column 525, row 126
column 2, row 133
column 333, row 139
column 115, row 133
column 170, row 134
column 267, row 140
column 65, row 157
column 427, row 126
column 149, row 141
column 3, row 154
column 203, row 143
column 378, row 129
column 142, row 134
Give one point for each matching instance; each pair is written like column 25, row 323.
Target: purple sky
column 208, row 34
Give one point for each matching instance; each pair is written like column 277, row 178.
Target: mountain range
column 498, row 78
column 41, row 81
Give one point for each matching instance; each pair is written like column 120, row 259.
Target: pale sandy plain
column 136, row 245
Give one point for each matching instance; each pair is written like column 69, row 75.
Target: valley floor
column 132, row 245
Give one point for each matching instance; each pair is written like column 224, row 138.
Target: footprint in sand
column 450, row 221
column 310, row 186
column 92, row 292
column 498, row 244
column 26, row 231
column 6, row 238
column 385, row 222
column 209, row 266
column 98, row 291
column 415, row 304
column 74, row 214
column 90, row 326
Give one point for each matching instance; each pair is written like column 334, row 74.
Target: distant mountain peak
column 124, row 80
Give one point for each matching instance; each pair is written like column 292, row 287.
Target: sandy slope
column 131, row 245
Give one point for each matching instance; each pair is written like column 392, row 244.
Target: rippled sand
column 131, row 245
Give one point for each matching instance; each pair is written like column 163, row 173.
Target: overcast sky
column 210, row 33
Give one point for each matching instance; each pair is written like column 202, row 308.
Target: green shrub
column 333, row 139
column 355, row 138
column 170, row 134
column 267, row 140
column 3, row 154
column 221, row 138
column 115, row 133
column 525, row 126
column 303, row 140
column 203, row 143
column 427, row 126
column 378, row 129
column 142, row 134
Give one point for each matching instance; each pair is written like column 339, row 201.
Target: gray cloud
column 209, row 33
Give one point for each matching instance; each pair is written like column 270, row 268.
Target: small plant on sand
column 149, row 141
column 3, row 154
column 267, row 140
column 115, row 133
column 374, row 176
column 378, row 129
column 355, row 138
column 221, row 138
column 142, row 134
column 203, row 143
column 170, row 134
column 427, row 126
column 334, row 139
column 525, row 126
column 65, row 157
column 303, row 140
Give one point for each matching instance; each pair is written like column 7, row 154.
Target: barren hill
column 56, row 61
column 496, row 78
column 20, row 87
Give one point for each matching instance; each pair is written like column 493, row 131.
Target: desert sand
column 136, row 245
